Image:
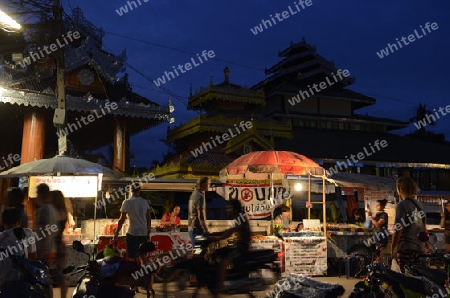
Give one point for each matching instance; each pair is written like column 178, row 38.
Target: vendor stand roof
column 362, row 180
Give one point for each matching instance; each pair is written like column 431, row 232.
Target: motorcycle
column 244, row 278
column 104, row 278
column 382, row 282
column 35, row 279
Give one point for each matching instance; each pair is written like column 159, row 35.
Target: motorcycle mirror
column 78, row 246
column 146, row 247
column 68, row 269
column 423, row 236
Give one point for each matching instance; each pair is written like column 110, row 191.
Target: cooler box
column 164, row 243
column 121, row 244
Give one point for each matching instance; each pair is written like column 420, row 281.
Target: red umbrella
column 257, row 165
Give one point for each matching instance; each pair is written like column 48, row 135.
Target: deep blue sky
column 349, row 32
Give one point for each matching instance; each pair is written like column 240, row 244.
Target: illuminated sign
column 71, row 186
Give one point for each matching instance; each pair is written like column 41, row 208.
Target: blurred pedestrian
column 16, row 241
column 410, row 221
column 59, row 203
column 14, row 198
column 445, row 223
column 46, row 222
column 170, row 219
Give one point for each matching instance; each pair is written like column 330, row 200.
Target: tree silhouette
column 421, row 112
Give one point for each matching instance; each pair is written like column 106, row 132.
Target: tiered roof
column 35, row 85
column 225, row 91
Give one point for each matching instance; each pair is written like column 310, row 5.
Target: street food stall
column 75, row 178
column 360, row 191
column 263, row 181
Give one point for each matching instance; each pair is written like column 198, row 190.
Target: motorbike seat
column 435, row 275
column 261, row 255
column 411, row 283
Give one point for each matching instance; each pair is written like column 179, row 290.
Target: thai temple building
column 99, row 103
column 328, row 129
column 226, row 128
column 101, row 107
column 305, row 106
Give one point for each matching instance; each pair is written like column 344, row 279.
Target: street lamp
column 7, row 23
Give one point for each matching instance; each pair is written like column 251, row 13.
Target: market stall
column 262, row 181
column 361, row 192
column 75, row 178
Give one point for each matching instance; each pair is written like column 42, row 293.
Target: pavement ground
column 174, row 292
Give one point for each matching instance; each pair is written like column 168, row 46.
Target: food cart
column 264, row 180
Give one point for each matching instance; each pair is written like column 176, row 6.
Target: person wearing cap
column 138, row 211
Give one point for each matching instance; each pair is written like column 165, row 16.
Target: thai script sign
column 258, row 200
column 71, row 186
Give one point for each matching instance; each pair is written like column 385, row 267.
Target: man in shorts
column 196, row 212
column 138, row 211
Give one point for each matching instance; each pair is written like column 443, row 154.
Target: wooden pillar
column 33, row 137
column 33, row 146
column 120, row 145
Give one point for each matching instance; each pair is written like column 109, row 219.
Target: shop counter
column 165, row 243
column 340, row 243
column 305, row 255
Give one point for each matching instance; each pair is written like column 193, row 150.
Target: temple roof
column 236, row 143
column 185, row 165
column 400, row 150
column 355, row 118
column 34, row 85
column 47, row 99
column 301, row 65
column 221, row 124
column 359, row 100
column 225, row 91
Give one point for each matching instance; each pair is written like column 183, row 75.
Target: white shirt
column 136, row 209
column 16, row 247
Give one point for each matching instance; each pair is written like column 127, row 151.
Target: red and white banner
column 257, row 199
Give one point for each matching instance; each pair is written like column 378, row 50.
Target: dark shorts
column 383, row 242
column 408, row 257
column 133, row 243
column 447, row 239
column 192, row 235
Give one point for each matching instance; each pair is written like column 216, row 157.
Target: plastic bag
column 395, row 267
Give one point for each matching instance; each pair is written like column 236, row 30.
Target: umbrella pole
column 309, row 194
column 271, row 194
column 95, row 214
column 324, row 207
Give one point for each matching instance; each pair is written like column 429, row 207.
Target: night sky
column 349, row 32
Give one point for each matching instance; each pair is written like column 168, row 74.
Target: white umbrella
column 60, row 165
